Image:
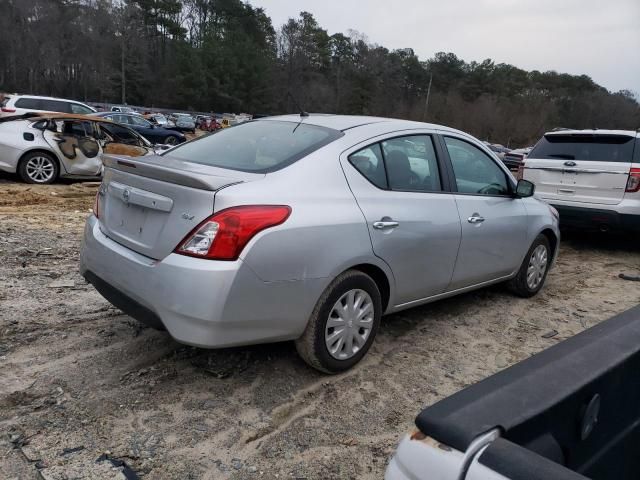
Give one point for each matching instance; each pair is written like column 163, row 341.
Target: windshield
column 260, row 146
column 604, row 148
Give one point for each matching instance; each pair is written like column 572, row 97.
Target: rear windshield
column 602, row 148
column 260, row 146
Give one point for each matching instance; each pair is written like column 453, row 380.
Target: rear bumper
column 200, row 302
column 596, row 218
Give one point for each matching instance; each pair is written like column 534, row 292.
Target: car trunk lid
column 149, row 204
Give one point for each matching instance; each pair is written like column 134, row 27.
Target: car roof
column 346, row 122
column 39, row 97
column 593, row 132
column 63, row 116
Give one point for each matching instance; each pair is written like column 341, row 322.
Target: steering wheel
column 491, row 189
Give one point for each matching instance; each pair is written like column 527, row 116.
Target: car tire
column 533, row 272
column 320, row 345
column 39, row 168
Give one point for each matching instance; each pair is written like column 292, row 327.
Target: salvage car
column 310, row 228
column 43, row 148
column 571, row 412
column 150, row 131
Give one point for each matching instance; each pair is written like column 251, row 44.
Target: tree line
column 227, row 56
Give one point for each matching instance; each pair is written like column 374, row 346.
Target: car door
column 581, row 167
column 412, row 219
column 494, row 223
column 76, row 146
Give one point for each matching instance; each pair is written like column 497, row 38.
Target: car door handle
column 475, row 218
column 382, row 225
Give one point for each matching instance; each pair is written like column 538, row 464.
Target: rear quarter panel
column 326, row 231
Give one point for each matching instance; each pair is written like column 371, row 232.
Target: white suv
column 21, row 104
column 592, row 177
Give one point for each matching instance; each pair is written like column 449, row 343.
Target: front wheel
column 343, row 324
column 533, row 271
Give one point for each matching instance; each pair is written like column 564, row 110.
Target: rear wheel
column 343, row 324
column 534, row 269
column 38, row 167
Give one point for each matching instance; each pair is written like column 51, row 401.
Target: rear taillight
column 96, row 210
column 8, row 110
column 224, row 235
column 633, row 182
column 520, row 173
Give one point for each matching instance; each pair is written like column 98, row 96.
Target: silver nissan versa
column 310, row 228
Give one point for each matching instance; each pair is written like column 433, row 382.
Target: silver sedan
column 310, row 228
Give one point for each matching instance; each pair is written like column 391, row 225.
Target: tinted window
column 603, row 148
column 368, row 162
column 475, row 171
column 411, row 164
column 139, row 121
column 55, row 106
column 121, row 134
column 28, row 103
column 261, row 146
column 77, row 108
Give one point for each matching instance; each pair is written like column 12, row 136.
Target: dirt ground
column 80, row 381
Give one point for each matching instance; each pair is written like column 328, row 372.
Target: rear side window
column 411, row 164
column 55, row 106
column 259, row 147
column 600, row 148
column 369, row 163
column 28, row 103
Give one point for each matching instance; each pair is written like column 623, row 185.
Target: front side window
column 476, row 173
column 80, row 109
column 603, row 148
column 369, row 163
column 412, row 164
column 259, row 147
column 140, row 122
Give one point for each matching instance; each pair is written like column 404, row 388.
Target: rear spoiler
column 172, row 170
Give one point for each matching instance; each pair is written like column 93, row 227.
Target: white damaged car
column 41, row 148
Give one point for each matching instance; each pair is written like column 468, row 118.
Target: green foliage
column 225, row 55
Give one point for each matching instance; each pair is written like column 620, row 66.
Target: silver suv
column 592, row 177
column 310, row 228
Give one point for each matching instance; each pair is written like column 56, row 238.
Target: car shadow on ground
column 608, row 241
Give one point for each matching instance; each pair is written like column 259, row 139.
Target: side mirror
column 525, row 189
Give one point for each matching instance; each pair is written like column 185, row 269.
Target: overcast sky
column 600, row 38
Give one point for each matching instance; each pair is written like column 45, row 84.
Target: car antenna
column 300, row 109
